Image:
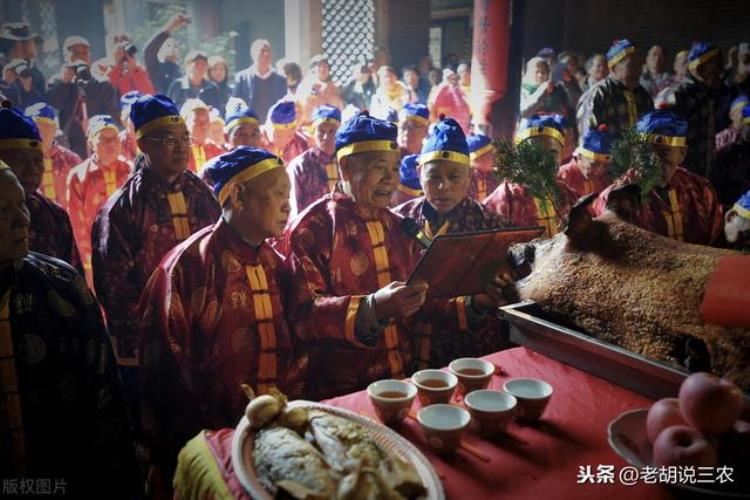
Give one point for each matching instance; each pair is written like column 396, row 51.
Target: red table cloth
column 534, row 461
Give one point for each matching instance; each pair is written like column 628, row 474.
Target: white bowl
column 443, row 417
column 490, row 401
column 528, row 388
column 375, row 389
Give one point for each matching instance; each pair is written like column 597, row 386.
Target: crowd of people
column 169, row 233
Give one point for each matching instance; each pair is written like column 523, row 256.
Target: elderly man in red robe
column 159, row 206
column 349, row 261
column 588, row 171
column 62, row 415
column 482, row 156
column 94, row 180
column 58, row 160
column 280, row 132
column 197, row 116
column 21, row 148
column 684, row 206
column 314, row 173
column 515, row 205
column 219, row 295
column 445, row 174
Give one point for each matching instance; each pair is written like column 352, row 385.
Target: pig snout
column 521, row 255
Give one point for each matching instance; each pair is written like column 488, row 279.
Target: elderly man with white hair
column 260, row 85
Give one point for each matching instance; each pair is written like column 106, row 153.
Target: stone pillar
column 302, row 30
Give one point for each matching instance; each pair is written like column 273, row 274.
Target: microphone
column 411, row 228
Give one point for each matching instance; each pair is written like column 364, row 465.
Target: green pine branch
column 633, row 154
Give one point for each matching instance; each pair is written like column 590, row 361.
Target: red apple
column 664, row 413
column 709, row 403
column 683, row 445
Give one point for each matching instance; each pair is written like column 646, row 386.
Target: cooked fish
column 283, row 459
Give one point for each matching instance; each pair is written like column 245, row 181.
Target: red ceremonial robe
column 313, row 174
column 51, row 232
column 212, row 318
column 298, row 145
column 519, row 209
column 482, row 185
column 687, row 209
column 576, row 184
column 57, row 164
column 89, row 186
column 439, row 344
column 338, row 256
column 140, row 223
column 201, row 153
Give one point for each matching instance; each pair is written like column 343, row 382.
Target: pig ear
column 581, row 229
column 624, row 201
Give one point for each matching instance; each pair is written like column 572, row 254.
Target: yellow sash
column 546, row 216
column 48, row 180
column 180, row 221
column 13, row 416
column 110, row 181
column 332, row 174
column 263, row 307
column 481, row 190
column 674, row 217
column 382, row 267
column 632, row 108
column 430, row 234
column 199, row 156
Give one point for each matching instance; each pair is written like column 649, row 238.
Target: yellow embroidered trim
column 481, row 190
column 666, row 139
column 365, row 146
column 620, row 56
column 251, row 172
column 418, row 119
column 332, row 174
column 110, row 182
column 595, row 156
column 546, row 216
column 48, row 179
column 239, row 121
column 319, row 121
column 537, row 131
column 703, row 58
column 481, row 151
column 285, row 126
column 445, row 155
column 674, row 217
column 351, row 318
column 178, row 208
column 21, row 144
column 430, row 234
column 158, row 123
column 263, row 308
column 742, row 211
column 199, row 156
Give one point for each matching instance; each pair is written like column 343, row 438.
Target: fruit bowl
column 627, row 436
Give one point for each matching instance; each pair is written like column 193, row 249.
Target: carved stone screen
column 348, row 35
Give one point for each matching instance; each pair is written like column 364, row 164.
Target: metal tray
column 532, row 328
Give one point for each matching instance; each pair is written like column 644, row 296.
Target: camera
column 130, row 49
column 83, row 74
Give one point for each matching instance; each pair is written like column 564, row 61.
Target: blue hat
column 326, row 114
column 739, row 102
column 663, row 126
column 701, row 52
column 391, row 115
column 597, row 144
column 364, row 133
column 127, row 100
column 42, row 112
column 283, row 115
column 17, row 131
column 446, row 141
column 546, row 52
column 98, row 123
column 479, row 145
column 742, row 206
column 417, row 112
column 619, row 50
column 746, row 115
column 239, row 165
column 545, row 125
column 240, row 115
column 409, row 176
column 150, row 112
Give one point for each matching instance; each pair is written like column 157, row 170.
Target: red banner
column 489, row 60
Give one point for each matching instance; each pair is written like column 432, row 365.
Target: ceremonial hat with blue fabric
column 408, row 175
column 417, row 112
column 283, row 114
column 240, row 115
column 739, row 102
column 663, row 126
column 619, row 50
column 597, row 144
column 391, row 115
column 479, row 145
column 364, row 133
column 742, row 206
column 701, row 52
column 151, row 112
column 127, row 100
column 17, row 131
column 746, row 115
column 326, row 114
column 238, row 166
column 42, row 112
column 446, row 141
column 544, row 125
column 98, row 123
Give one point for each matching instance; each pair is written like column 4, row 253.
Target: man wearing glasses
column 159, row 206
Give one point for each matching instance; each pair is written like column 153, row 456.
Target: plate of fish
column 307, row 450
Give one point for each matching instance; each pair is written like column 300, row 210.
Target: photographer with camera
column 126, row 74
column 79, row 94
